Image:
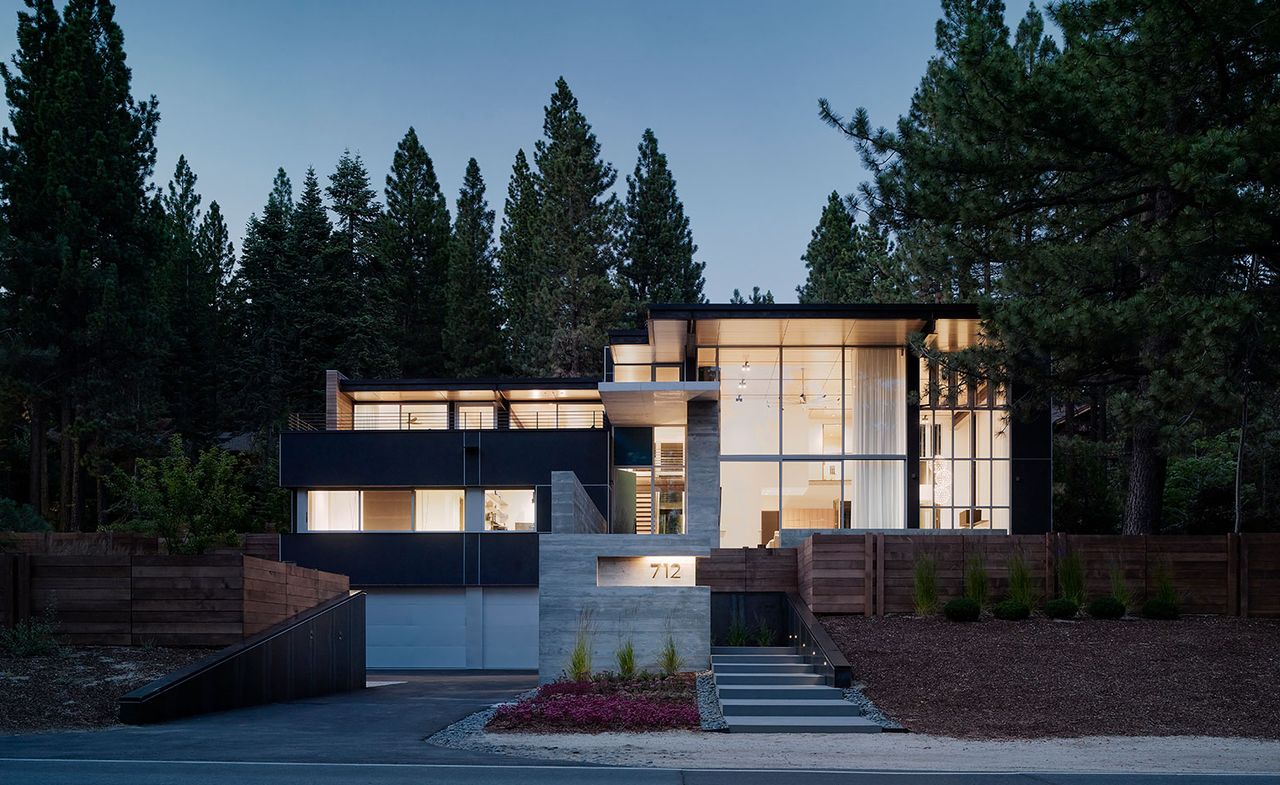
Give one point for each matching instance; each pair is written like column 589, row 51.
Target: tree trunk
column 36, row 458
column 65, row 468
column 1146, row 482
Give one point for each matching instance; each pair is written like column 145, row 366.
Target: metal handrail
column 442, row 421
column 815, row 645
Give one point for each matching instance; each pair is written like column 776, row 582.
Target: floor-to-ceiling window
column 810, row 438
column 964, row 451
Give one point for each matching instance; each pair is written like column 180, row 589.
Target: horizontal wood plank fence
column 874, row 573
column 263, row 545
column 133, row 599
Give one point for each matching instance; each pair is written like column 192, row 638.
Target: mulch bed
column 646, row 704
column 1040, row 678
column 79, row 687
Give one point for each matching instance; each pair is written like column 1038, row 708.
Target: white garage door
column 452, row 628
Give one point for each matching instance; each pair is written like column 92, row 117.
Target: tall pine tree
column 523, row 285
column 579, row 237
column 848, row 262
column 472, row 333
column 81, row 282
column 415, row 253
column 319, row 315
column 658, row 246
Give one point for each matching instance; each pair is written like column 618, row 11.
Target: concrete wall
column 702, row 461
column 567, row 588
column 572, row 510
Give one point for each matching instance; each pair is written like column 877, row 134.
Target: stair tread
column 779, row 702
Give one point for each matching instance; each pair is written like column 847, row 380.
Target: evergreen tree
column 1115, row 199
column 848, row 262
column 756, row 297
column 522, row 280
column 81, row 281
column 415, row 251
column 472, row 333
column 658, row 245
column 217, row 255
column 320, row 303
column 357, row 276
column 578, row 235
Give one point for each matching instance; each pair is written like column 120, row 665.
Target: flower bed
column 605, row 704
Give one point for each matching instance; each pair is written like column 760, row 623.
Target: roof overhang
column 653, row 403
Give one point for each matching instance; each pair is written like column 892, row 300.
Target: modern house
column 491, row 519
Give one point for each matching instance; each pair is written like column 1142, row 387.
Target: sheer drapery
column 877, row 415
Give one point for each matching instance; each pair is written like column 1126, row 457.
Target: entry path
column 122, row 772
column 377, row 725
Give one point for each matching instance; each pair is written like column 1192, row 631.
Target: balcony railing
column 440, row 421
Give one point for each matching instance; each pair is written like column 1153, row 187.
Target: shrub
column 1011, row 610
column 1061, row 608
column 626, row 659
column 669, row 660
column 1021, row 586
column 1158, row 608
column 737, row 634
column 1071, row 578
column 763, row 634
column 975, row 581
column 1106, row 608
column 32, row 637
column 580, row 657
column 926, row 585
column 962, row 609
column 15, row 517
column 1119, row 588
column 1166, row 592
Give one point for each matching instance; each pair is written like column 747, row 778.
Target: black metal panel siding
column 368, row 459
column 419, row 558
column 1031, row 499
column 352, row 459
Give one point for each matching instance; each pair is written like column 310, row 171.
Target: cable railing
column 447, row 421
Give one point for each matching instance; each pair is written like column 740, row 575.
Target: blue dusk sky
column 730, row 88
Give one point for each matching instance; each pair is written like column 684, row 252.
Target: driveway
column 376, row 725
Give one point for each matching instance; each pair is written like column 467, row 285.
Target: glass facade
column 422, row 510
column 649, row 480
column 810, row 438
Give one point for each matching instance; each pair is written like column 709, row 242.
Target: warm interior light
column 739, row 398
column 742, row 384
column 746, row 367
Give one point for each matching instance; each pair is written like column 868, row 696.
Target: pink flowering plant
column 605, row 703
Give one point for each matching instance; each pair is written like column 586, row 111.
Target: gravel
column 856, row 696
column 468, row 732
column 79, row 687
column 709, row 703
column 1035, row 679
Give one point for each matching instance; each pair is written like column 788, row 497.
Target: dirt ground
column 79, row 687
column 1199, row 676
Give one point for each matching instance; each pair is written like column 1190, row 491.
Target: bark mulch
column 79, row 687
column 1040, row 678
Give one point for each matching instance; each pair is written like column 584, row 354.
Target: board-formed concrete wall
column 702, row 473
column 567, row 590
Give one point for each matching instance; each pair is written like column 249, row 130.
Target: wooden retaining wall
column 262, row 545
column 134, row 599
column 874, row 573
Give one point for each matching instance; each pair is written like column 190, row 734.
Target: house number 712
column 668, row 570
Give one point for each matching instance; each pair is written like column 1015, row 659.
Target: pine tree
column 415, row 252
column 472, row 334
column 81, row 282
column 1111, row 202
column 848, row 262
column 524, row 292
column 356, row 275
column 756, row 297
column 217, row 255
column 578, row 232
column 319, row 315
column 658, row 245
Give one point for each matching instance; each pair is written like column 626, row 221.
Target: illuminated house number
column 668, row 570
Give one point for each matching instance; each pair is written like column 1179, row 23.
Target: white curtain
column 878, row 408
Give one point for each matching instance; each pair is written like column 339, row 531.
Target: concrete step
column 801, row 725
column 753, row 650
column 763, row 667
column 796, row 707
column 778, row 692
column 769, row 678
column 764, row 659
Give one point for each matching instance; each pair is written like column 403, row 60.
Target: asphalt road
column 121, row 772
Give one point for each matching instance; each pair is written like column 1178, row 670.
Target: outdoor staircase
column 771, row 689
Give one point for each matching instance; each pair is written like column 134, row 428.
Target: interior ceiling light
column 746, row 367
column 739, row 398
column 803, row 399
column 742, row 383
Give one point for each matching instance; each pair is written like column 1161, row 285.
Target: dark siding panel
column 422, row 559
column 368, row 458
column 508, row 559
column 1032, row 499
column 529, row 457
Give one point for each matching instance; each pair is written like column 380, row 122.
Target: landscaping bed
column 1202, row 676
column 604, row 704
column 79, row 687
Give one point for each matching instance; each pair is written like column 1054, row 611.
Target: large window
column 832, row 419
column 437, row 510
column 510, row 510
column 557, row 415
column 649, row 480
column 385, row 510
column 401, row 416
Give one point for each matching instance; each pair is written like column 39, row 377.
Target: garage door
column 452, row 628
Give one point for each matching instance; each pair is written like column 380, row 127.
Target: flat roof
column 492, row 383
column 814, row 311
